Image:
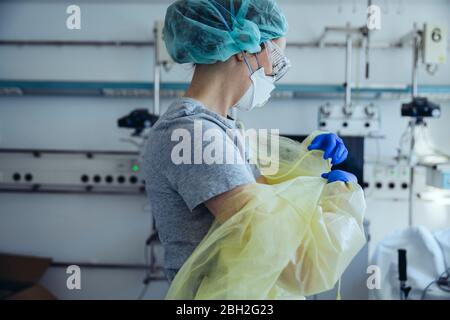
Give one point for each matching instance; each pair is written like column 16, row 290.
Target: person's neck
column 215, row 92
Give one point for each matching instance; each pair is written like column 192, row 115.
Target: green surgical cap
column 208, row 31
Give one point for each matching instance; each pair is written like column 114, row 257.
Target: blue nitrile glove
column 339, row 175
column 332, row 146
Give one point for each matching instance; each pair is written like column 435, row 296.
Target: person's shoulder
column 182, row 108
column 188, row 114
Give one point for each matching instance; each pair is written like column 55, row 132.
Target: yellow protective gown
column 291, row 238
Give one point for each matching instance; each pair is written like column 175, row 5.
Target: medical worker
column 236, row 48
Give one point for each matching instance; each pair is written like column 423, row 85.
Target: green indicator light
column 136, row 168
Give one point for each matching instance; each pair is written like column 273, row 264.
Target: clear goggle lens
column 280, row 63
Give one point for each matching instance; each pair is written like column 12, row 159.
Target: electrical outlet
column 384, row 181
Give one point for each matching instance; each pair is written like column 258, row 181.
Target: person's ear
column 239, row 57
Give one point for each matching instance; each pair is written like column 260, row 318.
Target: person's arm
column 217, row 204
column 222, row 207
column 262, row 180
column 212, row 185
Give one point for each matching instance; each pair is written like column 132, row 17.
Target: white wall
column 113, row 229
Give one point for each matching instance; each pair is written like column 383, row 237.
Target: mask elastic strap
column 250, row 69
column 257, row 60
column 249, row 65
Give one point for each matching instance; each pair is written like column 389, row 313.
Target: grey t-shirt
column 177, row 192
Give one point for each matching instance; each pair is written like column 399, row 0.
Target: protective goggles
column 280, row 63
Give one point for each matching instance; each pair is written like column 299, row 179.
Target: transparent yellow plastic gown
column 292, row 238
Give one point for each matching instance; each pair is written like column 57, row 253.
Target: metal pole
column 156, row 80
column 413, row 123
column 367, row 46
column 348, row 71
column 157, row 90
column 411, row 174
column 416, row 52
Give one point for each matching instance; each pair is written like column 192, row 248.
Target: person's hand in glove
column 332, row 146
column 339, row 175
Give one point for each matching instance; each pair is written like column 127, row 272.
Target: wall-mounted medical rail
column 174, row 89
column 124, row 43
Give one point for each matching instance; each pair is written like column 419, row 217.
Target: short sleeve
column 204, row 164
column 255, row 170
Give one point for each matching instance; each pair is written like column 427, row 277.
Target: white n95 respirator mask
column 259, row 92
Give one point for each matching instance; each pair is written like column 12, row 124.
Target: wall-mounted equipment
column 350, row 119
column 358, row 120
column 386, row 181
column 421, row 108
column 427, row 45
column 435, row 37
column 139, row 120
column 438, row 176
column 70, row 171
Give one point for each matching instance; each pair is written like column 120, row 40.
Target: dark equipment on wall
column 139, row 120
column 421, row 108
